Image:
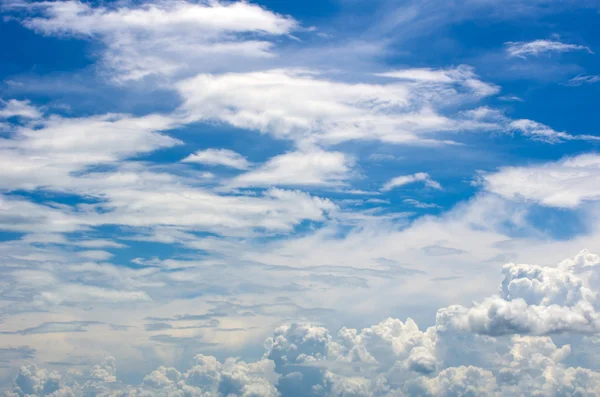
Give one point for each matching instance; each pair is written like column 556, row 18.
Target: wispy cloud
column 522, row 49
column 584, row 79
column 408, row 179
column 224, row 157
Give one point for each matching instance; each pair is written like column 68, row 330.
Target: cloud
column 16, row 353
column 15, row 108
column 541, row 132
column 61, row 154
column 312, row 167
column 100, row 243
column 309, row 107
column 57, row 327
column 419, row 204
column 584, row 79
column 523, row 49
column 495, row 120
column 392, row 357
column 51, row 151
column 207, row 377
column 407, row 179
column 224, row 157
column 566, row 183
column 534, row 300
column 97, row 255
column 164, row 38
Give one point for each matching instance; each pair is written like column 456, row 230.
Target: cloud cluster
column 488, row 350
column 535, row 300
column 207, row 377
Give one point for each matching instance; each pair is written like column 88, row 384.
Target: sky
column 332, row 198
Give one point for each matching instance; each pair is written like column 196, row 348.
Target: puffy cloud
column 523, row 49
column 224, row 157
column 206, row 378
column 532, row 300
column 165, row 38
column 456, row 381
column 406, row 179
column 375, row 362
column 565, row 183
column 35, row 381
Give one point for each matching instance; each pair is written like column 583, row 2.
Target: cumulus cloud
column 566, row 183
column 407, row 179
column 224, row 157
column 392, row 358
column 164, row 38
column 208, row 377
column 534, row 300
column 523, row 49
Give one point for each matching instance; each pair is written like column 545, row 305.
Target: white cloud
column 462, row 75
column 99, row 243
column 584, row 79
column 305, row 106
column 15, row 108
column 541, row 132
column 523, row 49
column 97, row 255
column 208, row 377
column 312, row 167
column 534, row 300
column 165, row 38
column 224, row 157
column 408, row 179
column 21, row 215
column 419, row 204
column 565, row 183
column 49, row 152
column 386, row 359
column 59, row 155
column 494, row 119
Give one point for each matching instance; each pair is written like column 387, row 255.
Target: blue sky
column 299, row 198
